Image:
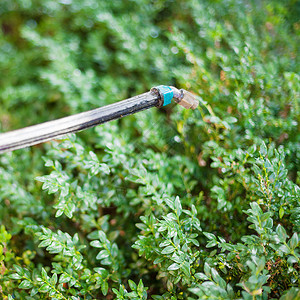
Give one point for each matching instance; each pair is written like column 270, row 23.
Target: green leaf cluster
column 167, row 203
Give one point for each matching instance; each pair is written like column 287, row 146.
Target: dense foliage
column 165, row 204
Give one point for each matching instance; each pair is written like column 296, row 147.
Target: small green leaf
column 281, row 233
column 59, row 212
column 292, row 260
column 45, row 243
column 104, row 288
column 256, row 209
column 178, row 206
column 19, row 270
column 211, row 244
column 53, row 279
column 101, row 271
column 164, row 244
column 173, row 267
column 96, row 244
column 133, row 295
column 284, row 249
column 294, row 241
column 132, row 285
column 201, row 276
column 158, row 260
column 281, row 212
column 263, row 149
column 140, row 287
column 210, row 236
column 44, row 274
column 102, row 254
column 25, row 284
column 15, row 276
column 207, row 269
column 34, row 291
column 44, row 288
column 64, row 278
column 231, row 120
column 168, row 250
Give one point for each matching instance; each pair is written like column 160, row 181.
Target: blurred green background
column 242, row 60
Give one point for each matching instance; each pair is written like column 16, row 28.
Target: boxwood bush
column 168, row 203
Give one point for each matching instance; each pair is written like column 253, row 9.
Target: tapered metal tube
column 40, row 133
column 158, row 96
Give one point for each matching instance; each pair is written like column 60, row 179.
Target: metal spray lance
column 158, row 96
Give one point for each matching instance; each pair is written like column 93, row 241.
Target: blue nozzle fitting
column 165, row 92
column 182, row 97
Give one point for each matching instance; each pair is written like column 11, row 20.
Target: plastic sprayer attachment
column 40, row 133
column 185, row 98
column 181, row 97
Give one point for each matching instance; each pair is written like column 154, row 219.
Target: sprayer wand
column 158, row 96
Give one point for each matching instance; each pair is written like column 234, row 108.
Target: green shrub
column 165, row 204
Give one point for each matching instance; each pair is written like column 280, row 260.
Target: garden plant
column 167, row 203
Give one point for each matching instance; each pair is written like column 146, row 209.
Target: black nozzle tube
column 44, row 132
